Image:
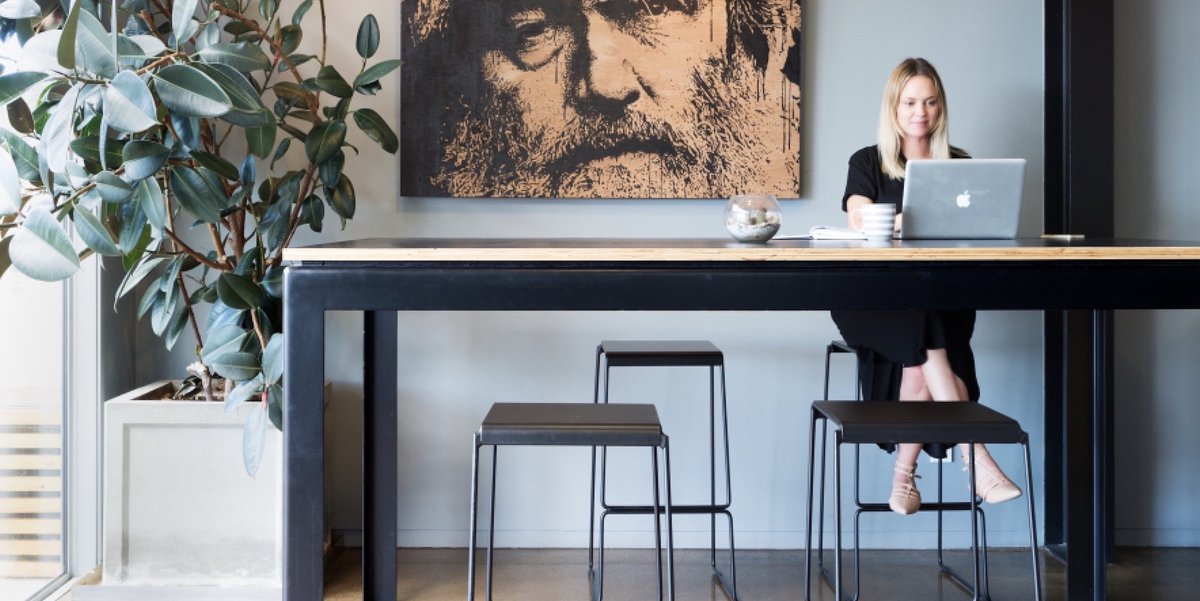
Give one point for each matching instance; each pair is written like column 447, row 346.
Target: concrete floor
column 1141, row 574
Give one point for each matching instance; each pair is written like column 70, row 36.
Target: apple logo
column 963, row 200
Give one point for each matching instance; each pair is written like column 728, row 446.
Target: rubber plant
column 152, row 131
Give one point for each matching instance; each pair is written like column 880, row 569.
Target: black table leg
column 1087, row 489
column 379, row 455
column 303, row 441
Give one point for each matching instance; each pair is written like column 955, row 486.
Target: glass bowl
column 753, row 217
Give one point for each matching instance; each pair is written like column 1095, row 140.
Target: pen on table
column 1062, row 236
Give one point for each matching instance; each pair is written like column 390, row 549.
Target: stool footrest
column 675, row 509
column 933, row 506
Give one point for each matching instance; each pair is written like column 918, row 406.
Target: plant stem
column 294, row 217
column 252, row 24
column 324, row 36
column 187, row 302
column 258, row 330
column 218, row 245
column 182, row 247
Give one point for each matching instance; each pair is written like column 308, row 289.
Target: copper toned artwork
column 600, row 98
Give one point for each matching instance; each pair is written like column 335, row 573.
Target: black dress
column 888, row 341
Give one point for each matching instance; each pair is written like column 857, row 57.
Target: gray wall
column 1156, row 129
column 990, row 56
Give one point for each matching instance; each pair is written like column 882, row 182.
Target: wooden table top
column 717, row 249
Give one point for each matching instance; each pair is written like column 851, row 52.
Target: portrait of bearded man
column 600, row 98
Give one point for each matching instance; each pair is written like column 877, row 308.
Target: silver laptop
column 962, row 199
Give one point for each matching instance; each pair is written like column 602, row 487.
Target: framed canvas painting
column 600, row 98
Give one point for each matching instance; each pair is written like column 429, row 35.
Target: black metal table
column 1077, row 281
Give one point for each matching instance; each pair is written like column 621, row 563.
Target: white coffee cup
column 877, row 221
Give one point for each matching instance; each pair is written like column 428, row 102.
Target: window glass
column 32, row 361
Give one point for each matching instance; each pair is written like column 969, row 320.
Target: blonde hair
column 889, row 128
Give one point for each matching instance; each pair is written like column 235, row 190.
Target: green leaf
column 196, row 195
column 209, row 35
column 377, row 129
column 168, row 281
column 254, row 439
column 298, row 15
column 329, row 80
column 135, row 234
column 88, row 149
column 240, row 366
column 56, row 134
column 143, row 158
column 376, row 72
column 148, row 47
column 239, row 291
column 248, row 109
column 111, row 187
column 10, row 184
column 297, row 60
column 247, row 174
column 41, row 248
column 217, row 164
column 134, row 276
column 187, row 91
column 331, row 170
column 240, row 55
column 222, row 339
column 250, row 389
column 20, row 117
column 324, row 140
column 93, row 47
column 151, row 297
column 164, row 310
column 273, row 359
column 341, row 198
column 260, row 140
column 267, row 9
column 13, row 85
column 282, row 150
column 175, row 327
column 24, row 155
column 289, row 38
column 181, row 19
column 148, row 195
column 291, row 93
column 128, row 104
column 273, row 281
column 93, row 233
column 66, row 42
column 24, row 9
column 368, row 37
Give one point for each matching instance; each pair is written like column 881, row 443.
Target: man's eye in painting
column 535, row 38
column 632, row 9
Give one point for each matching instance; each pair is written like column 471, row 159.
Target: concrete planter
column 181, row 516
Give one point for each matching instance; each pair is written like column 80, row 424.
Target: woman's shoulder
column 959, row 153
column 868, row 155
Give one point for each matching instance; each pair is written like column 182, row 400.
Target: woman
column 913, row 355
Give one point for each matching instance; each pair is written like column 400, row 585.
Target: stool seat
column 571, row 424
column 630, row 353
column 575, row 424
column 897, row 422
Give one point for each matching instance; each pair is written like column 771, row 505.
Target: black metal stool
column 674, row 353
column 840, row 347
column 573, row 424
column 883, row 422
